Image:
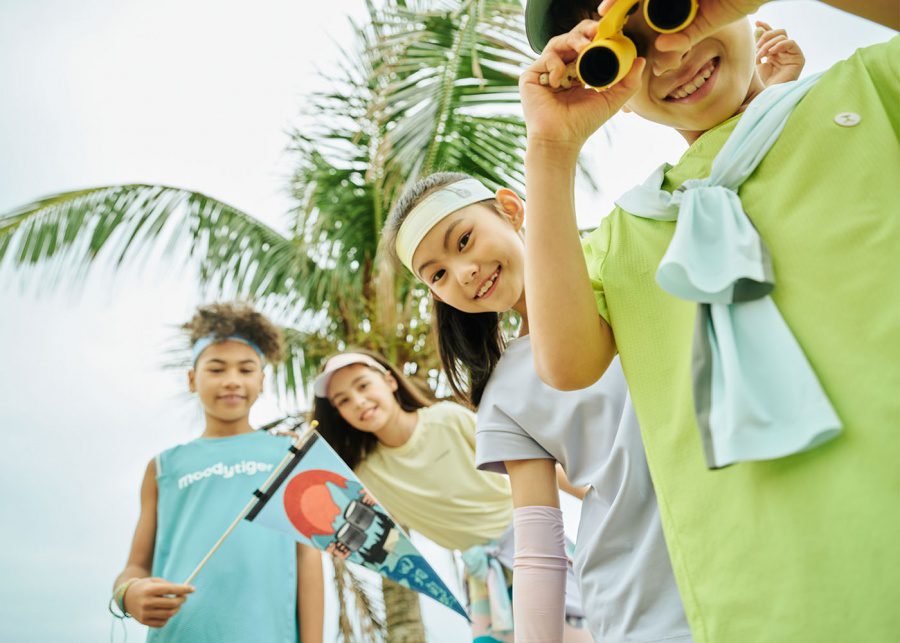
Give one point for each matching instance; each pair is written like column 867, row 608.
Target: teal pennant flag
column 320, row 502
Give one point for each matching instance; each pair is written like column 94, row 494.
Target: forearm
column 310, row 595
column 571, row 347
column 539, row 575
column 565, row 484
column 884, row 12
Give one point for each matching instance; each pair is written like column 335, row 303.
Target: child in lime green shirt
column 790, row 548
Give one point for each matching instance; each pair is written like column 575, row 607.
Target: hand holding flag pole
column 313, row 496
column 290, row 454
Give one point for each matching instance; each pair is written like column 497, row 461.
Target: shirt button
column 847, row 119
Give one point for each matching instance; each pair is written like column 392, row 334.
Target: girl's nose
column 664, row 61
column 467, row 273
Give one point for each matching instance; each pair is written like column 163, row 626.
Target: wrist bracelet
column 118, row 598
column 113, row 607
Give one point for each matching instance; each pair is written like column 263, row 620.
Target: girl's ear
column 192, row 386
column 511, row 206
column 391, row 381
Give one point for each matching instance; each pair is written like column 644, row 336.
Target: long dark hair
column 469, row 344
column 350, row 443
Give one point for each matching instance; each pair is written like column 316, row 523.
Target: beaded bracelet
column 118, row 598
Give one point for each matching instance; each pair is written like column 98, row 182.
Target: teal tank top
column 247, row 591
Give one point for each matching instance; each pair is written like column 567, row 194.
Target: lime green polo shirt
column 807, row 547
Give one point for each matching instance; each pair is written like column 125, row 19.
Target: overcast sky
column 194, row 94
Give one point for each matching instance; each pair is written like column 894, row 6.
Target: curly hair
column 236, row 318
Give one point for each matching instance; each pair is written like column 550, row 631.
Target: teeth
column 695, row 83
column 487, row 286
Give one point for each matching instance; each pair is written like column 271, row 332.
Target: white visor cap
column 336, row 363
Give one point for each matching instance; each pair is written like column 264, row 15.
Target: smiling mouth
column 232, row 398
column 487, row 286
column 367, row 414
column 695, row 84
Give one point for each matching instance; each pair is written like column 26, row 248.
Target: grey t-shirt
column 627, row 584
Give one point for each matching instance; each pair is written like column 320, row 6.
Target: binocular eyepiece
column 609, row 57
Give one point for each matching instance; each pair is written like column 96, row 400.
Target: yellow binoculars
column 611, row 54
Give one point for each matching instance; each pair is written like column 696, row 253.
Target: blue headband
column 203, row 343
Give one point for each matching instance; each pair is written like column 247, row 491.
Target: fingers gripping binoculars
column 609, row 57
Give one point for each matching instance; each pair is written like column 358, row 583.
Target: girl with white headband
column 464, row 242
column 418, row 459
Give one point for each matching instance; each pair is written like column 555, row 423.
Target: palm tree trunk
column 402, row 615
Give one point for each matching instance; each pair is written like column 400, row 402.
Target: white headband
column 429, row 212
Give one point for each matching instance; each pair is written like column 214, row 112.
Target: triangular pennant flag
column 320, row 502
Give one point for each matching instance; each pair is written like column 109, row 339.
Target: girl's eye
column 464, row 240
column 436, row 277
column 340, row 402
column 216, row 370
column 363, row 386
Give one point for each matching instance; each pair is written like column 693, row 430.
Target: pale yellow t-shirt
column 431, row 485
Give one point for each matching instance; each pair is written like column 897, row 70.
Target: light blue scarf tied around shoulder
column 755, row 394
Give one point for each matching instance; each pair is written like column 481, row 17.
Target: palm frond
column 444, row 70
column 237, row 254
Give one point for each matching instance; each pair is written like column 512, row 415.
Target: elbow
column 568, row 377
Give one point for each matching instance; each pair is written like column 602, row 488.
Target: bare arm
column 151, row 601
column 565, row 484
column 533, row 482
column 140, row 558
column 310, row 594
column 572, row 344
column 884, row 12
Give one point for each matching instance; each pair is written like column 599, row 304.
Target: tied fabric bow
column 755, row 394
column 483, row 562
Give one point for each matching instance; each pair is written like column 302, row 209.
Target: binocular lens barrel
column 667, row 15
column 598, row 66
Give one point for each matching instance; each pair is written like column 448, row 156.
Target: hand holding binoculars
column 609, row 57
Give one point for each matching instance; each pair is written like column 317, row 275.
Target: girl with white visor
column 417, row 457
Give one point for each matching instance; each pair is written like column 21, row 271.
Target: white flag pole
column 297, row 442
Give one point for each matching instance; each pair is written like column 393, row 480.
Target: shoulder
column 165, row 460
column 513, row 387
column 447, row 413
column 870, row 76
column 514, row 372
column 882, row 61
column 446, row 408
column 595, row 244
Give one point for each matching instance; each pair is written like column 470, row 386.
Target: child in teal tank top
column 250, row 589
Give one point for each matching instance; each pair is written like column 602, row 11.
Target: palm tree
column 427, row 85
